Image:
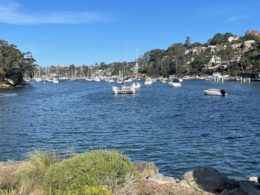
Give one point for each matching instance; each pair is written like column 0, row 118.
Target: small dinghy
column 215, row 92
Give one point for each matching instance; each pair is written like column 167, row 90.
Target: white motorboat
column 215, row 92
column 136, row 85
column 128, row 80
column 163, row 80
column 55, row 81
column 148, row 81
column 97, row 79
column 123, row 89
column 175, row 83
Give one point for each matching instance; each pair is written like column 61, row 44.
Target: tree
column 220, row 38
column 14, row 64
column 187, row 43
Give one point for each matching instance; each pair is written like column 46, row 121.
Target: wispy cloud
column 236, row 18
column 11, row 13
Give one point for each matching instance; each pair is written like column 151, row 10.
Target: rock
column 244, row 188
column 5, row 86
column 249, row 188
column 146, row 169
column 15, row 76
column 161, row 179
column 10, row 81
column 184, row 183
column 209, row 179
column 236, row 191
column 254, row 179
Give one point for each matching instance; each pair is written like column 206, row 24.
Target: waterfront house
column 232, row 38
column 253, row 33
column 236, row 45
column 249, row 43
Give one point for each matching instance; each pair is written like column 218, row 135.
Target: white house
column 249, row 43
column 215, row 60
column 231, row 38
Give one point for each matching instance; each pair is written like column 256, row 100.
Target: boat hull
column 123, row 90
column 215, row 92
column 173, row 84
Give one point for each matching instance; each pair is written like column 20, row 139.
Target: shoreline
column 205, row 180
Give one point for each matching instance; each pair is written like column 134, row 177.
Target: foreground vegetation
column 95, row 172
column 106, row 172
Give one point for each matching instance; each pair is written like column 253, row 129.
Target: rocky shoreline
column 205, row 180
column 9, row 84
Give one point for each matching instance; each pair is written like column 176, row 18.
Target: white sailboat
column 123, row 89
column 136, row 84
column 148, row 81
column 176, row 82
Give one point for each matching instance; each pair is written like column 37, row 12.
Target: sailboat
column 176, row 81
column 123, row 89
column 136, row 84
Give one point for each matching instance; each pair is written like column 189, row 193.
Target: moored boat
column 215, row 92
column 175, row 83
column 123, row 90
column 148, row 81
column 136, row 85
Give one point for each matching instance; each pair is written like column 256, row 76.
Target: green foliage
column 30, row 174
column 96, row 190
column 88, row 190
column 187, row 42
column 220, row 38
column 14, row 64
column 95, row 168
column 6, row 192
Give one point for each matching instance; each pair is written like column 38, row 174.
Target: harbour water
column 178, row 129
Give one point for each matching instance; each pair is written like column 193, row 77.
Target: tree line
column 185, row 58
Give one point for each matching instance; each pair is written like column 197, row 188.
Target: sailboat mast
column 176, row 67
column 122, row 53
column 136, row 62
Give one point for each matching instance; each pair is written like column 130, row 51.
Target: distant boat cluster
column 131, row 85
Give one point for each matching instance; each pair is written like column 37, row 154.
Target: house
column 215, row 60
column 253, row 33
column 213, row 63
column 195, row 50
column 187, row 51
column 232, row 38
column 236, row 45
column 249, row 43
column 213, row 48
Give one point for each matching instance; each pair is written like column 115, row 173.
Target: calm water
column 178, row 129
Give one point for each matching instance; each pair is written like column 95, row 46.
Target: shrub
column 96, row 190
column 89, row 190
column 29, row 175
column 96, row 168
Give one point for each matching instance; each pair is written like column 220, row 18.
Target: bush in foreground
column 29, row 175
column 108, row 169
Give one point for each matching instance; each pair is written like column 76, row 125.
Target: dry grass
column 30, row 174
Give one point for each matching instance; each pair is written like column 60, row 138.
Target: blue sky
column 89, row 31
